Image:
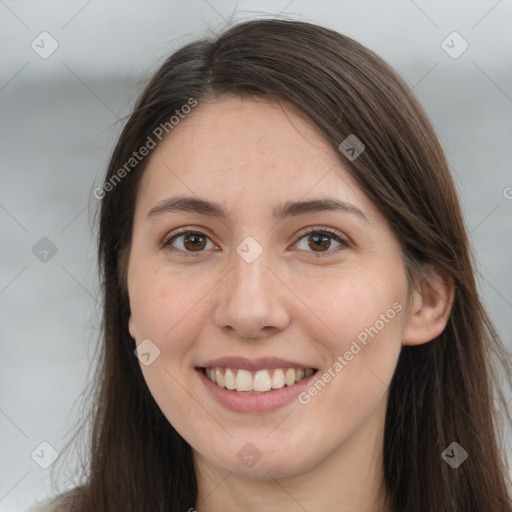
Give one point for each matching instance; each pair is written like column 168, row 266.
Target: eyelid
column 322, row 229
column 333, row 233
column 166, row 243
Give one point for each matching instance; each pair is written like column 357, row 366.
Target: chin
column 262, row 459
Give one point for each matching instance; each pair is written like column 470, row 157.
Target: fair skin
column 299, row 300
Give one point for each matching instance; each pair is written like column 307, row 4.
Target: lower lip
column 255, row 402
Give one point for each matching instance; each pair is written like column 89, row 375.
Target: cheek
column 168, row 309
column 364, row 316
column 166, row 306
column 351, row 304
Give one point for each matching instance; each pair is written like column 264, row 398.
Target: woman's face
column 272, row 265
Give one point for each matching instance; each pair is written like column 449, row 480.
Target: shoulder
column 60, row 503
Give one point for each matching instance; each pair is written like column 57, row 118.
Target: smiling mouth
column 260, row 381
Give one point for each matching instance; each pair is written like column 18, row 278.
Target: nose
column 251, row 301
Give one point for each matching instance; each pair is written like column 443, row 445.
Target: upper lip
column 260, row 363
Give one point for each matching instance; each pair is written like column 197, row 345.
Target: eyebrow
column 280, row 212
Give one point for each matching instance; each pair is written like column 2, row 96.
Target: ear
column 429, row 308
column 131, row 327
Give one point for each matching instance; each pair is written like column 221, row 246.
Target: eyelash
column 332, row 233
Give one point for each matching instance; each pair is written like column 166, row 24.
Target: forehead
column 247, row 153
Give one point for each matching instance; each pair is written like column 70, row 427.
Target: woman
column 282, row 248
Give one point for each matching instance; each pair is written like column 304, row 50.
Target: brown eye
column 319, row 242
column 322, row 242
column 189, row 242
column 194, row 242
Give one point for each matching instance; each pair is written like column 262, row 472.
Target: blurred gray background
column 61, row 113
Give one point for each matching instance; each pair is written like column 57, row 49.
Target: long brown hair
column 445, row 391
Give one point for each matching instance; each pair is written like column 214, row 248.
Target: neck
column 350, row 479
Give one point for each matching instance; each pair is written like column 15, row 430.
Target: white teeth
column 278, row 379
column 262, row 381
column 229, row 379
column 289, row 377
column 219, row 378
column 243, row 381
column 259, row 381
